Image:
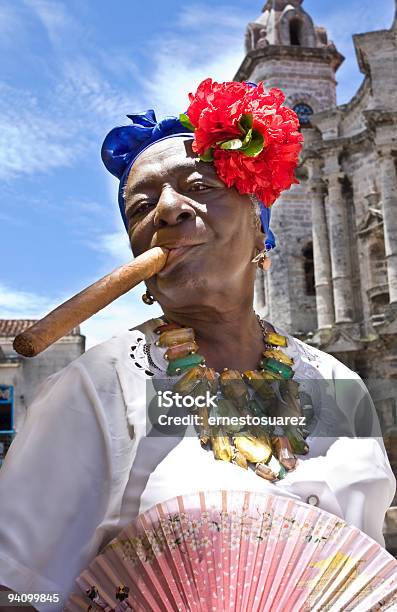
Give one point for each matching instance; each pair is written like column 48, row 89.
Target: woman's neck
column 228, row 338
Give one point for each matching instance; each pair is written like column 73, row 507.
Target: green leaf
column 184, row 119
column 207, row 156
column 247, row 139
column 235, row 143
column 256, row 145
column 246, row 122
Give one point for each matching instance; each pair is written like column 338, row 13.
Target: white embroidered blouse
column 83, row 466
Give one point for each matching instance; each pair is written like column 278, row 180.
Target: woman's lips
column 174, row 257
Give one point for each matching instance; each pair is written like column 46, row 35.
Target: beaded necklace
column 257, row 419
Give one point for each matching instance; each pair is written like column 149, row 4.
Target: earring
column 262, row 260
column 148, row 298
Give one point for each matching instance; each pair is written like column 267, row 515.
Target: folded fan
column 238, row 550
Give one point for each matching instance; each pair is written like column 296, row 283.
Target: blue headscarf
column 123, row 145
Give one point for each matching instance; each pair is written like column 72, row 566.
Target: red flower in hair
column 252, row 139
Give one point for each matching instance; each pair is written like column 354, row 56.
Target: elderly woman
column 91, row 455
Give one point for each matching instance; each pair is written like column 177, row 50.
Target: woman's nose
column 172, row 208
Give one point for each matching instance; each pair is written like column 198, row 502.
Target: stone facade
column 306, row 73
column 340, row 223
column 25, row 375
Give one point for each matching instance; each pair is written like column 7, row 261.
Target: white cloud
column 208, row 42
column 341, row 23
column 114, row 244
column 31, row 140
column 92, row 96
column 355, row 17
column 54, row 17
column 122, row 314
column 224, row 17
column 15, row 303
column 39, row 135
column 10, row 22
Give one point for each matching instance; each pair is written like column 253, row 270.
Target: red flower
column 254, row 140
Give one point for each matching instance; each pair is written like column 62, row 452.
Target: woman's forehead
column 166, row 150
column 169, row 157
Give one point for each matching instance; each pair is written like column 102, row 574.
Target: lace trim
column 143, row 360
column 141, row 357
column 146, row 350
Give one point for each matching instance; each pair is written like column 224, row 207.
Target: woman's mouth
column 175, row 255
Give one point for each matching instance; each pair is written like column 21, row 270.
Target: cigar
column 83, row 305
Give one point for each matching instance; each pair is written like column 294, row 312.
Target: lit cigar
column 80, row 307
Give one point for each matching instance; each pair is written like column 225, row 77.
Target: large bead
column 200, row 389
column 260, row 433
column 254, row 408
column 264, row 472
column 290, row 405
column 283, row 451
column 176, row 336
column 176, row 366
column 227, row 414
column 297, row 441
column 212, row 381
column 188, row 382
column 276, row 467
column 233, row 387
column 239, row 459
column 268, row 404
column 258, row 382
column 180, row 350
column 204, row 428
column 166, row 327
column 267, row 375
column 275, row 339
column 221, row 446
column 279, row 355
column 274, row 366
column 254, row 450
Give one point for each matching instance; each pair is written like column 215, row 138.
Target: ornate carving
column 255, row 37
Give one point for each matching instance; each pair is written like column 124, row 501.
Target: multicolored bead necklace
column 269, row 391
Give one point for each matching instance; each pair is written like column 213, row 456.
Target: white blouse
column 83, row 466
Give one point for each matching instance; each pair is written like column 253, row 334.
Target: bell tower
column 285, row 49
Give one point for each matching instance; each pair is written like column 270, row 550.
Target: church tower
column 285, row 49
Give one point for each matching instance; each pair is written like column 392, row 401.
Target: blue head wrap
column 124, row 144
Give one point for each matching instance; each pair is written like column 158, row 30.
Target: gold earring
column 148, row 298
column 262, row 260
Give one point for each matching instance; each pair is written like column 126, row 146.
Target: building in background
column 20, row 376
column 333, row 281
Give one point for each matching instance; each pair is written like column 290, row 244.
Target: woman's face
column 174, row 200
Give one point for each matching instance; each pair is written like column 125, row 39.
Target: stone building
column 20, row 377
column 284, row 49
column 333, row 280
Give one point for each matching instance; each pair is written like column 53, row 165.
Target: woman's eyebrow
column 140, row 185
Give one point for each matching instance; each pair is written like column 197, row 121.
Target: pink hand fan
column 235, row 550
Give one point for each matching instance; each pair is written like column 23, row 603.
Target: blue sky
column 70, row 71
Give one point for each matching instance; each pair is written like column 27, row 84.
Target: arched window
column 295, row 32
column 304, row 112
column 308, row 267
column 301, row 172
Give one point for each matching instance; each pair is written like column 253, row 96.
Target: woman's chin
column 181, row 283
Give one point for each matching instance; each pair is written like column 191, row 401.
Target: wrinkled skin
column 173, row 198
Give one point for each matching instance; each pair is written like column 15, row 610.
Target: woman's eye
column 198, row 187
column 141, row 208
